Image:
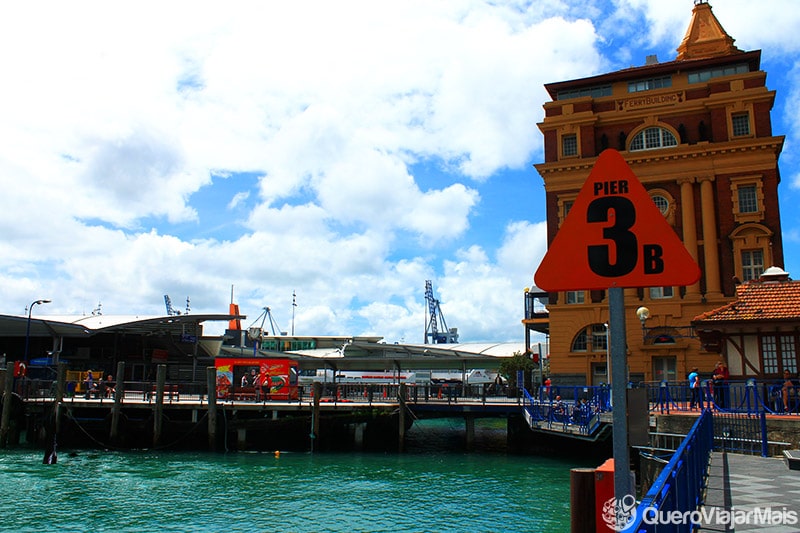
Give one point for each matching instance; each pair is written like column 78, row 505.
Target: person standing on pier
column 694, row 388
column 720, row 379
column 789, row 385
column 89, row 384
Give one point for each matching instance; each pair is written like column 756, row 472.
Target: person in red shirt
column 720, row 379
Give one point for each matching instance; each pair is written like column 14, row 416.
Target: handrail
column 743, row 396
column 680, row 485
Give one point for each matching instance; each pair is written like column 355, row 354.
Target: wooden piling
column 316, row 387
column 5, row 418
column 158, row 419
column 401, row 433
column 469, row 427
column 581, row 500
column 211, row 385
column 119, row 393
column 61, row 386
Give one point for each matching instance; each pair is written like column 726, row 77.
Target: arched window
column 593, row 338
column 653, row 138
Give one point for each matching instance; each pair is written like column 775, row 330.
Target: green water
column 419, row 491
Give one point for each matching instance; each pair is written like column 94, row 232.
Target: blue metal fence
column 579, row 415
column 680, row 485
column 747, row 396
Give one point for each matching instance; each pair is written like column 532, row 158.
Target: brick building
column 697, row 133
column 757, row 333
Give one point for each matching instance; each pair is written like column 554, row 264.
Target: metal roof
column 88, row 325
column 384, row 356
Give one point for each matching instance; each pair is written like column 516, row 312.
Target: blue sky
column 343, row 151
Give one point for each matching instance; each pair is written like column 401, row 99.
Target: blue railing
column 680, row 485
column 580, row 415
column 748, row 396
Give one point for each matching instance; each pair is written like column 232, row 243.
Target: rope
column 109, row 446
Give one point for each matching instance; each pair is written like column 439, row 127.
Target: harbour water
column 429, row 488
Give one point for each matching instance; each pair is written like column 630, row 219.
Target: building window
column 567, row 207
column 653, row 138
column 657, row 293
column 769, row 355
column 748, row 198
column 778, row 353
column 705, row 75
column 569, row 145
column 649, row 84
column 752, row 264
column 579, row 344
column 576, row 297
column 661, row 203
column 594, row 92
column 740, row 123
column 565, row 203
column 599, row 338
column 788, row 353
column 592, row 338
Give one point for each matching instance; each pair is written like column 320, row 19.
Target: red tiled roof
column 759, row 300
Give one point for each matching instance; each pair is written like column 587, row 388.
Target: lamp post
column 608, row 357
column 643, row 314
column 28, row 327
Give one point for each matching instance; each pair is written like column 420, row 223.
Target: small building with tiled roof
column 757, row 334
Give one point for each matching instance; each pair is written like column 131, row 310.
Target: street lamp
column 608, row 359
column 643, row 314
column 28, row 328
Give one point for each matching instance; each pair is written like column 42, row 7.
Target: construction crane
column 434, row 318
column 257, row 332
column 171, row 311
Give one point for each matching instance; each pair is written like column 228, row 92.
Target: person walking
column 789, row 385
column 720, row 380
column 694, row 389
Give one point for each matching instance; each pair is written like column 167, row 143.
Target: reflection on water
column 435, row 486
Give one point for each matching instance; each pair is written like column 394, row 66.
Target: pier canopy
column 88, row 325
column 367, row 354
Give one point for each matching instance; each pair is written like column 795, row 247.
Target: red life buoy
column 20, row 369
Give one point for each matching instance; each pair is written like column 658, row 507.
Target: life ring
column 20, row 369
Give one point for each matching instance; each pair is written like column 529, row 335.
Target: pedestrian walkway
column 742, row 483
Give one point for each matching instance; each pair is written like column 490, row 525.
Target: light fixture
column 643, row 314
column 28, row 325
column 663, row 334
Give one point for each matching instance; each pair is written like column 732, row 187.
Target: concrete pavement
column 742, row 488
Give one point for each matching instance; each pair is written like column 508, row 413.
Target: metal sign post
column 619, row 386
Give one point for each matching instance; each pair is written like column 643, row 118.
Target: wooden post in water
column 401, row 433
column 158, row 419
column 316, row 389
column 119, row 393
column 469, row 427
column 5, row 418
column 211, row 385
column 61, row 385
column 581, row 500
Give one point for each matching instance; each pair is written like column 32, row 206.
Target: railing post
column 750, row 387
column 5, row 419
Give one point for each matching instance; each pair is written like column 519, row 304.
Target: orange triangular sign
column 615, row 236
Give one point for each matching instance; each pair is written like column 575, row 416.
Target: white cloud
column 335, row 149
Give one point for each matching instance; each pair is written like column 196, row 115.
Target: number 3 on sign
column 623, row 214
